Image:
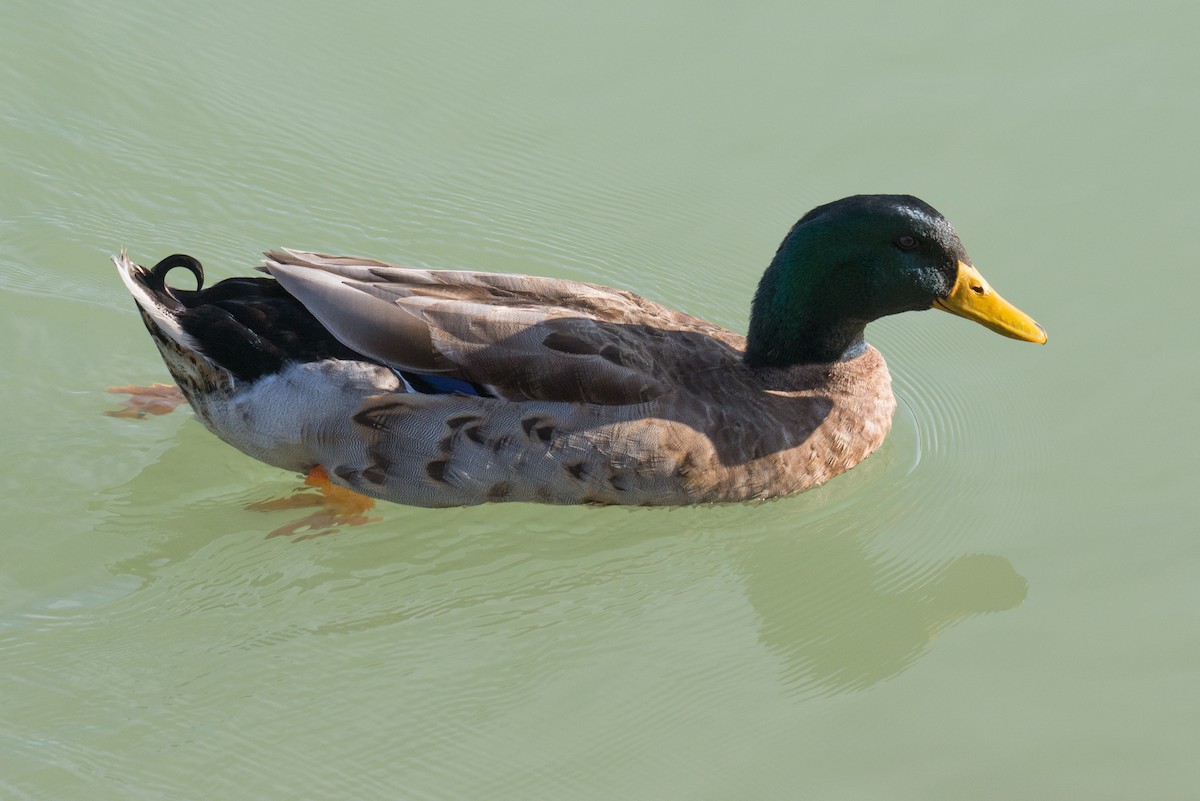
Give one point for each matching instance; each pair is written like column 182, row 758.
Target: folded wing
column 522, row 337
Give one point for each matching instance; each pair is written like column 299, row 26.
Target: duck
column 441, row 388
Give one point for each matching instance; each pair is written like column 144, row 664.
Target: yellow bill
column 974, row 298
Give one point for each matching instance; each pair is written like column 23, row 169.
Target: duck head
column 855, row 260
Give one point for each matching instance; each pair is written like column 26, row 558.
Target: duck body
column 448, row 388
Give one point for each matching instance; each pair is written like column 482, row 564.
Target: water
column 999, row 604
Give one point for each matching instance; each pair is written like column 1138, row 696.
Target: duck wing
column 522, row 337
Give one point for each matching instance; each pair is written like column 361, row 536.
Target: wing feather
column 527, row 337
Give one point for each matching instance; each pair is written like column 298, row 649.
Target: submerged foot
column 153, row 399
column 335, row 506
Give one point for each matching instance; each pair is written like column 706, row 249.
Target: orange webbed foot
column 337, row 506
column 153, row 399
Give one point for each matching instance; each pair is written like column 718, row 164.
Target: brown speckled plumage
column 677, row 449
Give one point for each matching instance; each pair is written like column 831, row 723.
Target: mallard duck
column 449, row 387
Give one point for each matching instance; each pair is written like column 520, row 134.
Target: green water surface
column 1002, row 603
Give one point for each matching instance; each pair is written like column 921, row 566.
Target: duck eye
column 907, row 242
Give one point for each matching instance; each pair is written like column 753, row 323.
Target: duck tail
column 161, row 307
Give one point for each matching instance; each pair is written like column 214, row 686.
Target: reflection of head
column 972, row 585
column 845, row 618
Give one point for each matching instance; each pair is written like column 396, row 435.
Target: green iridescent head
column 855, row 260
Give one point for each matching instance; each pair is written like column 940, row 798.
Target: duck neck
column 799, row 317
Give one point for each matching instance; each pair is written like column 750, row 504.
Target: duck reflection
column 844, row 617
